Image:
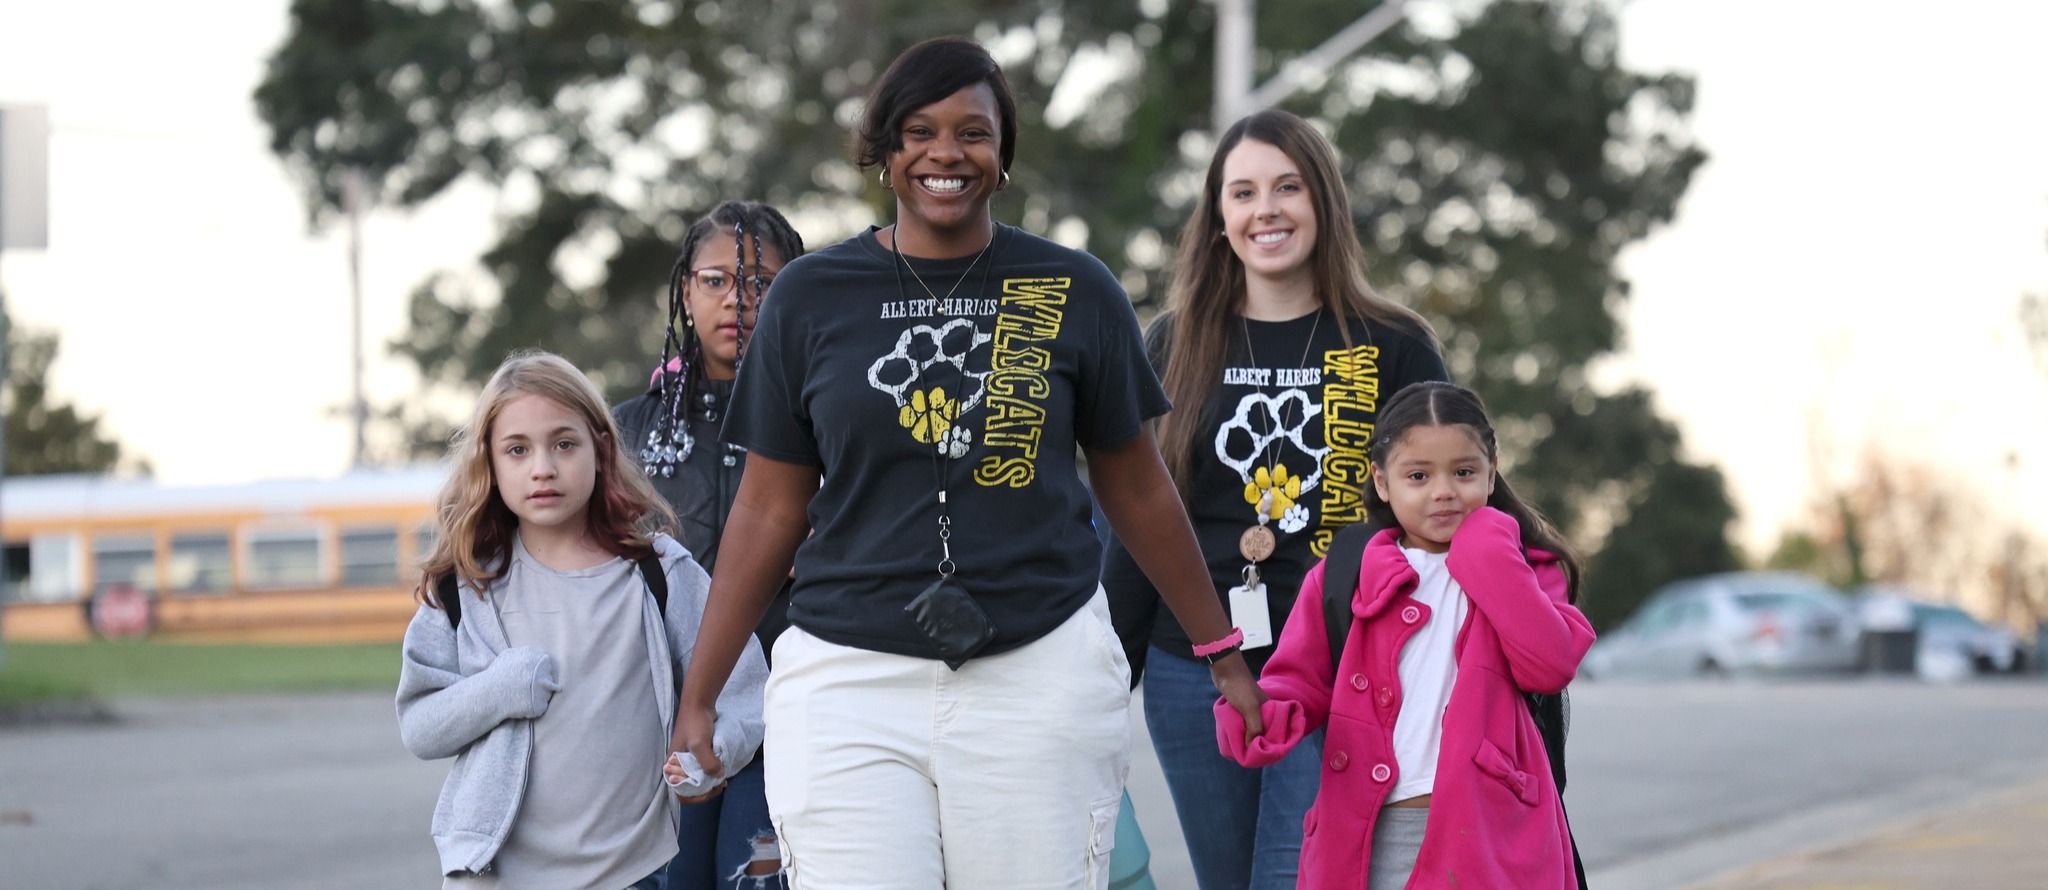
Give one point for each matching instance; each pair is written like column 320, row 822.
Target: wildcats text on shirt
column 1032, row 313
column 1349, row 400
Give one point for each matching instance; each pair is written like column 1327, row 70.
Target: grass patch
column 18, row 688
column 107, row 670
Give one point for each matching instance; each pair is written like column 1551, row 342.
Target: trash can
column 1891, row 639
column 1891, row 651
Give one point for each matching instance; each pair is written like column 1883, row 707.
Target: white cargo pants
column 886, row 771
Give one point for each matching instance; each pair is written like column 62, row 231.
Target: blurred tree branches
column 44, row 435
column 1500, row 158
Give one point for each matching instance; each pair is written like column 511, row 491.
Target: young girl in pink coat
column 1434, row 773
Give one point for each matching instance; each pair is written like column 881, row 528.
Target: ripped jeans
column 716, row 839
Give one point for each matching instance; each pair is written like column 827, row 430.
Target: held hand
column 673, row 774
column 1233, row 679
column 693, row 735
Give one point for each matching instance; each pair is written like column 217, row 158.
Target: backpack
column 1340, row 577
column 445, row 588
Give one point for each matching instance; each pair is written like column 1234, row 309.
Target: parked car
column 1951, row 642
column 1739, row 622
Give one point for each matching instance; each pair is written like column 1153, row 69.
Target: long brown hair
column 1208, row 288
column 1436, row 403
column 474, row 528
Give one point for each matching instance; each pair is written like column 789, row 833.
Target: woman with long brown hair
column 1276, row 354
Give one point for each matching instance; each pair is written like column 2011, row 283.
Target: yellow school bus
column 312, row 560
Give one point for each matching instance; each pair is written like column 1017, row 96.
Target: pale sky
column 1849, row 260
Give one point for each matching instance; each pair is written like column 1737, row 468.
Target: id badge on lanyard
column 1250, row 610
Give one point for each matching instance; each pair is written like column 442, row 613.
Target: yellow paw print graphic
column 929, row 415
column 1279, row 483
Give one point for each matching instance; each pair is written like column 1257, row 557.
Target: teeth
column 952, row 184
column 1269, row 238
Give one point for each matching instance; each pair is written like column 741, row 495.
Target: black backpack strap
column 1340, row 579
column 1553, row 718
column 657, row 583
column 447, row 590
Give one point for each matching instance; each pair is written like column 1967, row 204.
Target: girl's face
column 714, row 294
column 950, row 163
column 544, row 461
column 1268, row 215
column 1434, row 477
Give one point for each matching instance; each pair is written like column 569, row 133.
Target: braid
column 669, row 442
column 742, row 280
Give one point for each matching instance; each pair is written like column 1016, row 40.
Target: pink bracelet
column 1230, row 641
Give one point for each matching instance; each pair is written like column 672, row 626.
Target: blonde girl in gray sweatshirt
column 555, row 691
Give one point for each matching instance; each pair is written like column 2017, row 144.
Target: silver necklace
column 936, row 301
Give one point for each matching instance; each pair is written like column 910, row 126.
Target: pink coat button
column 1380, row 773
column 1411, row 614
column 1386, row 696
column 1358, row 682
column 1339, row 761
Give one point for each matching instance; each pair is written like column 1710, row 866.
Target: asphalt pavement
column 1864, row 784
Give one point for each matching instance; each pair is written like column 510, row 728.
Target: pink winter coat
column 1494, row 817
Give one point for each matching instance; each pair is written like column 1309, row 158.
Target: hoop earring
column 1004, row 182
column 882, row 176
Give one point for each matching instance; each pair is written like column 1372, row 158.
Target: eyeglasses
column 717, row 283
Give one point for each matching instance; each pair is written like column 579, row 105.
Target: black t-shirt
column 702, row 488
column 1296, row 422
column 858, row 370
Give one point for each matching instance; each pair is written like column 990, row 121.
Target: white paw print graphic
column 955, row 441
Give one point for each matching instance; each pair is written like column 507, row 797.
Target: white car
column 1951, row 643
column 1739, row 622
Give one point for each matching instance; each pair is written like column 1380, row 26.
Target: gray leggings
column 1396, row 841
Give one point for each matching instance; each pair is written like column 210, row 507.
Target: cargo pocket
column 1101, row 839
column 1492, row 762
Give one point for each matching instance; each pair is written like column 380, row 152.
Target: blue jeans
column 716, row 837
column 1243, row 826
column 651, row 882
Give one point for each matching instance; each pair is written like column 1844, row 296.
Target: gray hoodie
column 467, row 693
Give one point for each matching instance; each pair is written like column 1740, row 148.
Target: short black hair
column 923, row 74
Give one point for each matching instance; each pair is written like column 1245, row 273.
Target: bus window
column 369, row 556
column 201, row 563
column 14, row 572
column 279, row 559
column 124, row 559
column 55, row 567
column 423, row 539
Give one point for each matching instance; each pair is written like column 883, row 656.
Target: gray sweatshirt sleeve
column 440, row 711
column 739, row 729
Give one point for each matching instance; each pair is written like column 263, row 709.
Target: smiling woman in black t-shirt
column 949, row 705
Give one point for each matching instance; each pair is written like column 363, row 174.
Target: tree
column 43, row 435
column 1501, row 160
column 1901, row 521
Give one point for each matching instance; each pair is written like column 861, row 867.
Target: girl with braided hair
column 727, row 260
